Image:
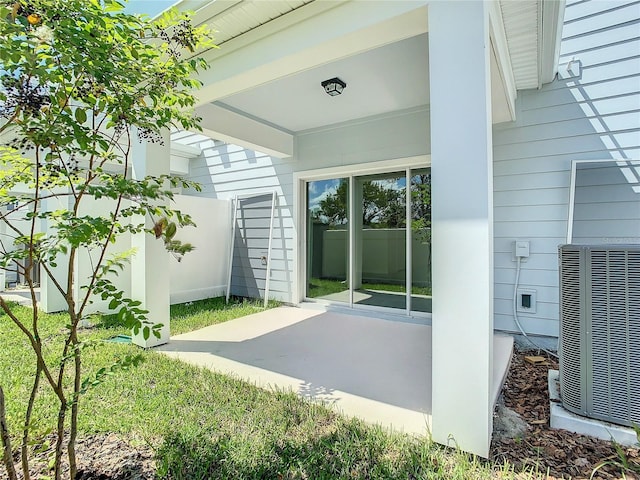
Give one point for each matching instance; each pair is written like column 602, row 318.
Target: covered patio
column 424, row 84
column 376, row 369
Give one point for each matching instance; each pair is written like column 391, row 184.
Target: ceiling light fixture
column 333, row 86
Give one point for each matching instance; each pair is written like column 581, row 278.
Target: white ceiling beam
column 179, row 157
column 316, row 34
column 231, row 127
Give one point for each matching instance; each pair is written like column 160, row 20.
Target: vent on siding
column 600, row 331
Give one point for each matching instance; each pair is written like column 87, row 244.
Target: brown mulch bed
column 561, row 453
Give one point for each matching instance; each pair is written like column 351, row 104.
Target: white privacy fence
column 201, row 273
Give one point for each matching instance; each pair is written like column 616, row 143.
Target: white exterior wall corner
column 462, row 324
column 593, row 116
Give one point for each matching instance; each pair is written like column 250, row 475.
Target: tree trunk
column 6, row 441
column 27, row 422
column 73, row 433
column 57, row 471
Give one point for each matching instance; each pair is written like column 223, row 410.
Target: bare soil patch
column 99, row 457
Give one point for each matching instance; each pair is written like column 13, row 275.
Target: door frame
column 300, row 178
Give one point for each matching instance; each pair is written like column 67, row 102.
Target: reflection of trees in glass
column 381, row 207
column 332, row 209
column 421, row 206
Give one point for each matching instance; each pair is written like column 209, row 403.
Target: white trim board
column 383, row 166
column 572, row 185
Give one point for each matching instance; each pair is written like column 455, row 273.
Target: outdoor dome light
column 333, row 86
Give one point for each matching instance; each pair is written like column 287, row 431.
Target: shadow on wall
column 590, row 112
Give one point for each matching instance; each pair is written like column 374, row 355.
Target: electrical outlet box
column 522, row 249
column 526, row 300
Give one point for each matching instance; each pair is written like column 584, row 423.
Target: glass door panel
column 421, row 240
column 328, row 239
column 379, row 219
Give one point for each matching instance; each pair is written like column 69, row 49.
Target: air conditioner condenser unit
column 600, row 331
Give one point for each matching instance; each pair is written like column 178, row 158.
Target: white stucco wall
column 202, row 273
column 87, row 259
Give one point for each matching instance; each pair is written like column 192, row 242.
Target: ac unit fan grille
column 571, row 371
column 600, row 354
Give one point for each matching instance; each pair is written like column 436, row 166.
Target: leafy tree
column 421, row 206
column 79, row 77
column 381, row 207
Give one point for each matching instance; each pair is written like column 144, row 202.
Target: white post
column 51, row 300
column 3, row 273
column 150, row 264
column 461, row 153
column 268, row 272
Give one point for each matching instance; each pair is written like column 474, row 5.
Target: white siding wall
column 594, row 116
column 225, row 170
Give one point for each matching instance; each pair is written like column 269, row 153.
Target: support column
column 150, row 265
column 51, row 300
column 462, row 214
column 3, row 273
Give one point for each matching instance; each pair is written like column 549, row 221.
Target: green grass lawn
column 209, row 426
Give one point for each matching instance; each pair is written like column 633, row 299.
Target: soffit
column 232, row 18
column 532, row 29
column 521, row 28
column 393, row 77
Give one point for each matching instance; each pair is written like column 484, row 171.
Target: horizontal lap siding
column 596, row 116
column 226, row 170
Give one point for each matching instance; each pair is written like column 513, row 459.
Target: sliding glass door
column 369, row 238
column 328, row 239
column 380, row 229
column 421, row 240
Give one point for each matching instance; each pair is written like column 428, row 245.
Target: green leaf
column 81, row 115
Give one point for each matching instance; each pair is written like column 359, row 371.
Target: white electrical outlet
column 522, row 249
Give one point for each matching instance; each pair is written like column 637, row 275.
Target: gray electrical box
column 600, row 331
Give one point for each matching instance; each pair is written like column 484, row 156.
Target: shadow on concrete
column 382, row 360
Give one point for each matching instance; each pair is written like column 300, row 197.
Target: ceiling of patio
column 386, row 79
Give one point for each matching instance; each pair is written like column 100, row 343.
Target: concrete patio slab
column 375, row 369
column 21, row 296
